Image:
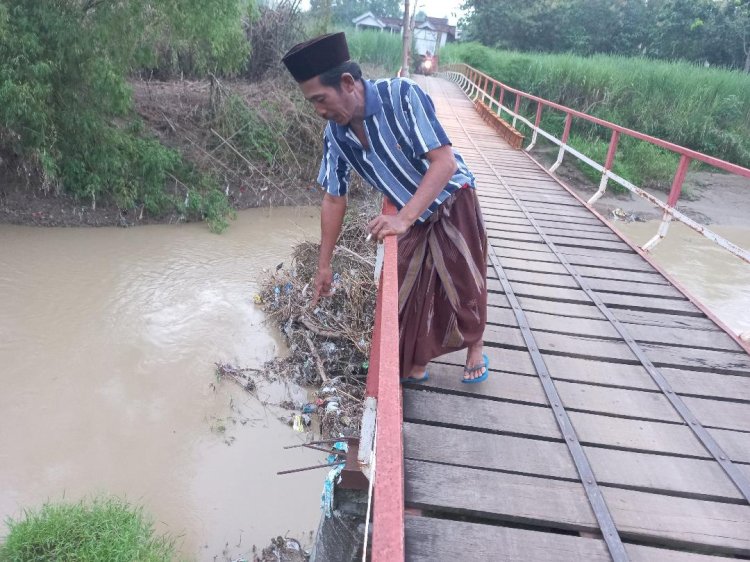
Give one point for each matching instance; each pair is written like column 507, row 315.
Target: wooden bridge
column 615, row 423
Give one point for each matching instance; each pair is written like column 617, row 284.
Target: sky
column 450, row 9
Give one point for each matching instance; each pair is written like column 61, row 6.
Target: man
column 387, row 131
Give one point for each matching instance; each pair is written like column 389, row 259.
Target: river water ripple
column 107, row 343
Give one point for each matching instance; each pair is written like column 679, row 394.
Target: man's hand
column 323, row 282
column 388, row 225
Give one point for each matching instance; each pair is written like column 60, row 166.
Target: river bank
column 258, row 142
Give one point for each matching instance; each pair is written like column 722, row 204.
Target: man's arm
column 441, row 169
column 331, row 218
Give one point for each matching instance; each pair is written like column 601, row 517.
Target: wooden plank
column 425, row 404
column 736, row 444
column 703, row 384
column 588, row 272
column 501, row 214
column 538, row 196
column 617, row 300
column 547, row 210
column 640, row 516
column 512, row 378
column 584, row 256
column 594, row 227
column 622, row 262
column 724, row 415
column 608, row 285
column 575, row 396
column 685, row 383
column 698, row 478
column 486, row 450
column 608, row 245
column 501, row 496
column 584, row 310
column 562, row 229
column 568, row 231
column 443, row 540
column 500, row 203
column 544, row 190
column 591, row 327
column 576, row 369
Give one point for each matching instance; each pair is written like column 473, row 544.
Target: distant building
column 429, row 34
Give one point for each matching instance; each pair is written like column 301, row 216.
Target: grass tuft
column 103, row 529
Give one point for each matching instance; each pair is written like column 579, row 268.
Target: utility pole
column 407, row 40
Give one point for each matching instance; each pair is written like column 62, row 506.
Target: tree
column 514, row 24
column 737, row 13
column 706, row 31
column 344, row 11
column 65, row 104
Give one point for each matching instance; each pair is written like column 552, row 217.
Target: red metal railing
column 477, row 84
column 384, row 389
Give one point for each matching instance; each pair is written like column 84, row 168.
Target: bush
column 106, row 530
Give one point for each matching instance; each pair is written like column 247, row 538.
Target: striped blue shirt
column 401, row 127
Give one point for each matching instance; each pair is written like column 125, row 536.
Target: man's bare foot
column 475, row 367
column 418, row 373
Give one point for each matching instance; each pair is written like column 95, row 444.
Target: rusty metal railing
column 492, row 92
column 381, row 438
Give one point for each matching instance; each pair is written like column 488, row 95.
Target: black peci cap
column 316, row 56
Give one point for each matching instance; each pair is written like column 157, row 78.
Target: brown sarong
column 442, row 279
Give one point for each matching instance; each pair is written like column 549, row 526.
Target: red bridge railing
column 479, row 85
column 382, row 459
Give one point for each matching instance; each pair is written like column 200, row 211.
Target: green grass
column 105, row 529
column 375, row 47
column 706, row 109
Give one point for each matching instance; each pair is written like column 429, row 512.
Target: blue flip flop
column 423, row 378
column 484, row 376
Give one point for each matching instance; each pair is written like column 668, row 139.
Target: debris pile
column 329, row 344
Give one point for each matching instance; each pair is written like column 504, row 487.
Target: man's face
column 330, row 103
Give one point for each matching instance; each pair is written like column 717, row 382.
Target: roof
column 437, row 24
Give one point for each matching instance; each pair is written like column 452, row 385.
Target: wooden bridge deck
column 488, row 473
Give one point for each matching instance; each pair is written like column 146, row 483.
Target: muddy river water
column 108, row 339
column 711, row 274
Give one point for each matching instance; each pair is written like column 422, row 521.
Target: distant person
column 387, row 131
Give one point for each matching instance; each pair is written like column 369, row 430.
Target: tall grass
column 375, row 47
column 97, row 531
column 705, row 109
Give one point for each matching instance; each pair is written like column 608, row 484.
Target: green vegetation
column 701, row 108
column 341, row 12
column 374, row 47
column 66, row 107
column 101, row 530
column 703, row 31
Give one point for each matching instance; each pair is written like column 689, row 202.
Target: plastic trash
column 329, row 348
column 309, row 408
column 298, row 424
column 333, row 477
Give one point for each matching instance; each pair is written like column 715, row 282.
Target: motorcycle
column 427, row 65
